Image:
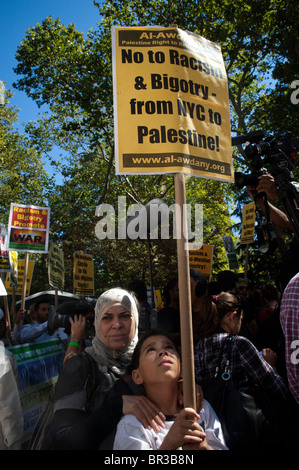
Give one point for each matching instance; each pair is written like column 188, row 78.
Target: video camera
column 59, row 317
column 279, row 152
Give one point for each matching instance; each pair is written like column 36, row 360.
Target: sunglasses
column 243, row 288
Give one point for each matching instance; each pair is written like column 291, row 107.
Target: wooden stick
column 246, row 263
column 24, row 280
column 56, row 298
column 184, row 293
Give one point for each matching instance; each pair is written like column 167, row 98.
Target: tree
column 71, row 74
column 22, row 178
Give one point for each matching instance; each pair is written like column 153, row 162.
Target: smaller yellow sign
column 56, row 266
column 248, row 223
column 21, row 267
column 159, row 301
column 83, row 274
column 202, row 260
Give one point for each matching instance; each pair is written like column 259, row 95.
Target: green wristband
column 73, row 343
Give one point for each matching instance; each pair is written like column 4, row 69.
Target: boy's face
column 159, row 361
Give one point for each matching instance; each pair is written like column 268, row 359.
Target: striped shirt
column 247, row 365
column 289, row 319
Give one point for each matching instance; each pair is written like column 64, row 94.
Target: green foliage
column 22, row 177
column 70, row 75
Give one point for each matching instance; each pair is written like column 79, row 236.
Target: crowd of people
column 122, row 387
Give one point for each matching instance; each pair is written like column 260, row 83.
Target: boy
column 156, row 365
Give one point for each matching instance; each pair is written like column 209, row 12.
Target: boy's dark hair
column 136, row 354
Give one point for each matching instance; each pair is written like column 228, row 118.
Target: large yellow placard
column 171, row 106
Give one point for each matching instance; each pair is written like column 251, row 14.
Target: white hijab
column 108, row 358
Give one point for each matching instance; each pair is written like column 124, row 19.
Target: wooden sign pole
column 56, row 298
column 184, row 294
column 24, row 280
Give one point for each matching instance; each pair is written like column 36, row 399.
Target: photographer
column 38, row 330
column 266, row 185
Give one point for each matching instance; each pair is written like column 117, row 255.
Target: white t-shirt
column 131, row 435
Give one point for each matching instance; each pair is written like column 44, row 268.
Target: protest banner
column 18, row 289
column 172, row 109
column 28, row 228
column 158, row 299
column 230, row 252
column 13, row 275
column 171, row 116
column 248, row 223
column 83, row 275
column 39, row 365
column 56, row 269
column 202, row 259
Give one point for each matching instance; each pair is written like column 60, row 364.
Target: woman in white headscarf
column 89, row 397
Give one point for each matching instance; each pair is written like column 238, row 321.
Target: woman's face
column 158, row 360
column 117, row 327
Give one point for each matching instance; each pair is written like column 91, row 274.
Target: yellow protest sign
column 171, row 106
column 55, row 266
column 83, row 274
column 13, row 275
column 20, row 270
column 248, row 223
column 202, row 259
column 158, row 298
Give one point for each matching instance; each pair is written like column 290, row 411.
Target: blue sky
column 16, row 16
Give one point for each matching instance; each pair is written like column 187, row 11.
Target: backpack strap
column 226, row 346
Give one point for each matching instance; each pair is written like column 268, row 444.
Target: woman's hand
column 144, row 410
column 185, row 432
column 78, row 326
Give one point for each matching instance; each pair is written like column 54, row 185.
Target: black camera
column 280, row 153
column 251, row 179
column 59, row 317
